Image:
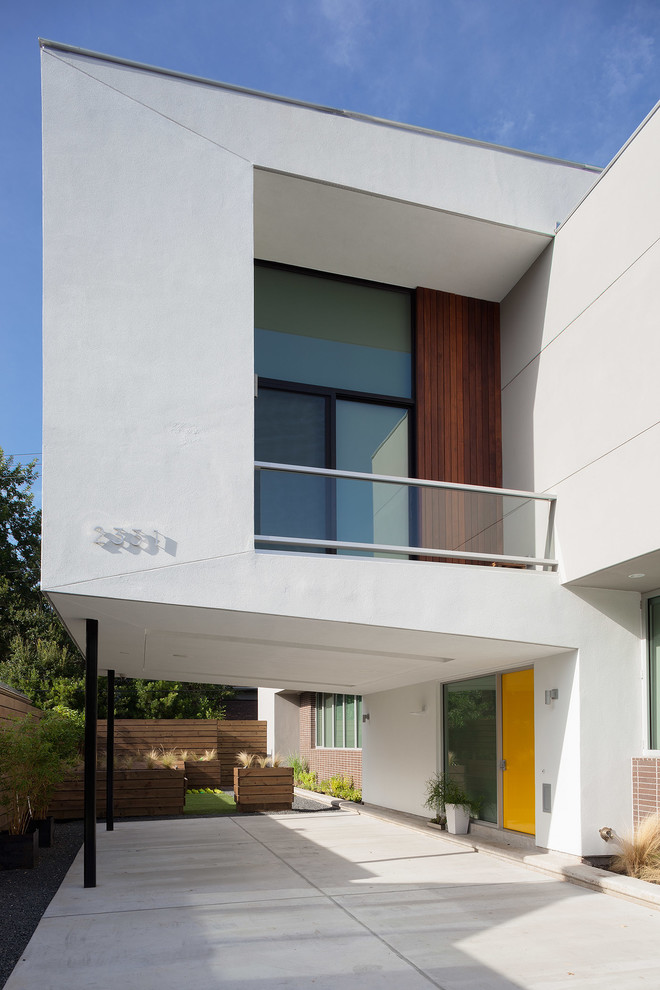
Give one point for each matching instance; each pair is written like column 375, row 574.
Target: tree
column 37, row 656
column 20, row 541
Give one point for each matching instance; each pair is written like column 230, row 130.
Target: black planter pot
column 19, row 852
column 46, row 830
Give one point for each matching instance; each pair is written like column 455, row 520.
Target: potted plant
column 34, row 757
column 61, row 738
column 18, row 747
column 444, row 794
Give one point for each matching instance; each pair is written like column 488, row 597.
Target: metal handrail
column 494, row 558
column 546, row 562
column 409, row 482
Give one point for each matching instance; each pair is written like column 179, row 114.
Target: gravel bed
column 25, row 894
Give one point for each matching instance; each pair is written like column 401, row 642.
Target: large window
column 333, row 360
column 654, row 673
column 339, row 721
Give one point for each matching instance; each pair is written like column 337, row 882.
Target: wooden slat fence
column 234, row 737
column 137, row 735
column 228, row 737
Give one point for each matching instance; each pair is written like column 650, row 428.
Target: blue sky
column 567, row 78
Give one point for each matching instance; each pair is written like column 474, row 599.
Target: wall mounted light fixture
column 551, row 695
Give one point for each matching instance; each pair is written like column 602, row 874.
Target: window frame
column 320, row 741
column 652, row 672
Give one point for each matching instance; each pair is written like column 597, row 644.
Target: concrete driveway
column 323, row 901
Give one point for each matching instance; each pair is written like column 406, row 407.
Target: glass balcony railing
column 318, row 510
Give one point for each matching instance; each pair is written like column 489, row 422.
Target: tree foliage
column 37, row 656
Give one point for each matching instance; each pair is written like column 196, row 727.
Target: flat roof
column 320, row 108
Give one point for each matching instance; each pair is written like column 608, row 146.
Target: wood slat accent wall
column 458, row 418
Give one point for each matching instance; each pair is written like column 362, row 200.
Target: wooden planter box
column 203, row 773
column 267, row 789
column 137, row 793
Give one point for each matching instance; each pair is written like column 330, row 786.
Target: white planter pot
column 458, row 819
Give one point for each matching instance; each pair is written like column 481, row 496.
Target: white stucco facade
column 159, row 192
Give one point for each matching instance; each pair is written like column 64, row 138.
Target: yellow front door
column 518, row 751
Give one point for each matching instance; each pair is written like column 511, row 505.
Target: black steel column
column 91, row 715
column 110, row 765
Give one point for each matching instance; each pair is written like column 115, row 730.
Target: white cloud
column 627, row 60
column 348, row 22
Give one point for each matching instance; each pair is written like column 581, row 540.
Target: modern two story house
column 366, row 415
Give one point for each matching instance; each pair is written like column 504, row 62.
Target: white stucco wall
column 557, row 748
column 399, row 748
column 287, row 723
column 580, row 349
column 147, row 307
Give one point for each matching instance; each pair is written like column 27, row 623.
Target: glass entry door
column 470, row 721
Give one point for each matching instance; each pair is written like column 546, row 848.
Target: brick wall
column 242, row 709
column 326, row 762
column 645, row 787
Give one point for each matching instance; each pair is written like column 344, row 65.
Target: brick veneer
column 325, row 762
column 645, row 787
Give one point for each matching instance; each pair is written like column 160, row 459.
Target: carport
column 325, row 900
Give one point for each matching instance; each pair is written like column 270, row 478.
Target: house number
column 120, row 537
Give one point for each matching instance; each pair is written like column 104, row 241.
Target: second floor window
column 333, row 360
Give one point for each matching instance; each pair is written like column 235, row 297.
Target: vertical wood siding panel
column 458, row 416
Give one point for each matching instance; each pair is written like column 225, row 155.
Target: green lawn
column 209, row 802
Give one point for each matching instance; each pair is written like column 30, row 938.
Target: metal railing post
column 110, row 752
column 91, row 717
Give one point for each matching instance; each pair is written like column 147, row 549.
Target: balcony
column 319, row 510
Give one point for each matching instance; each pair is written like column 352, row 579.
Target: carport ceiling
column 170, row 642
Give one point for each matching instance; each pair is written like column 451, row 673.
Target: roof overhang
column 299, row 221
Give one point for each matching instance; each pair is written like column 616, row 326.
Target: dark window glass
column 654, row 672
column 290, row 428
column 471, row 740
column 321, row 331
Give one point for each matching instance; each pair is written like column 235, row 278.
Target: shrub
column 245, row 759
column 299, row 765
column 640, row 852
column 307, row 779
column 341, row 787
